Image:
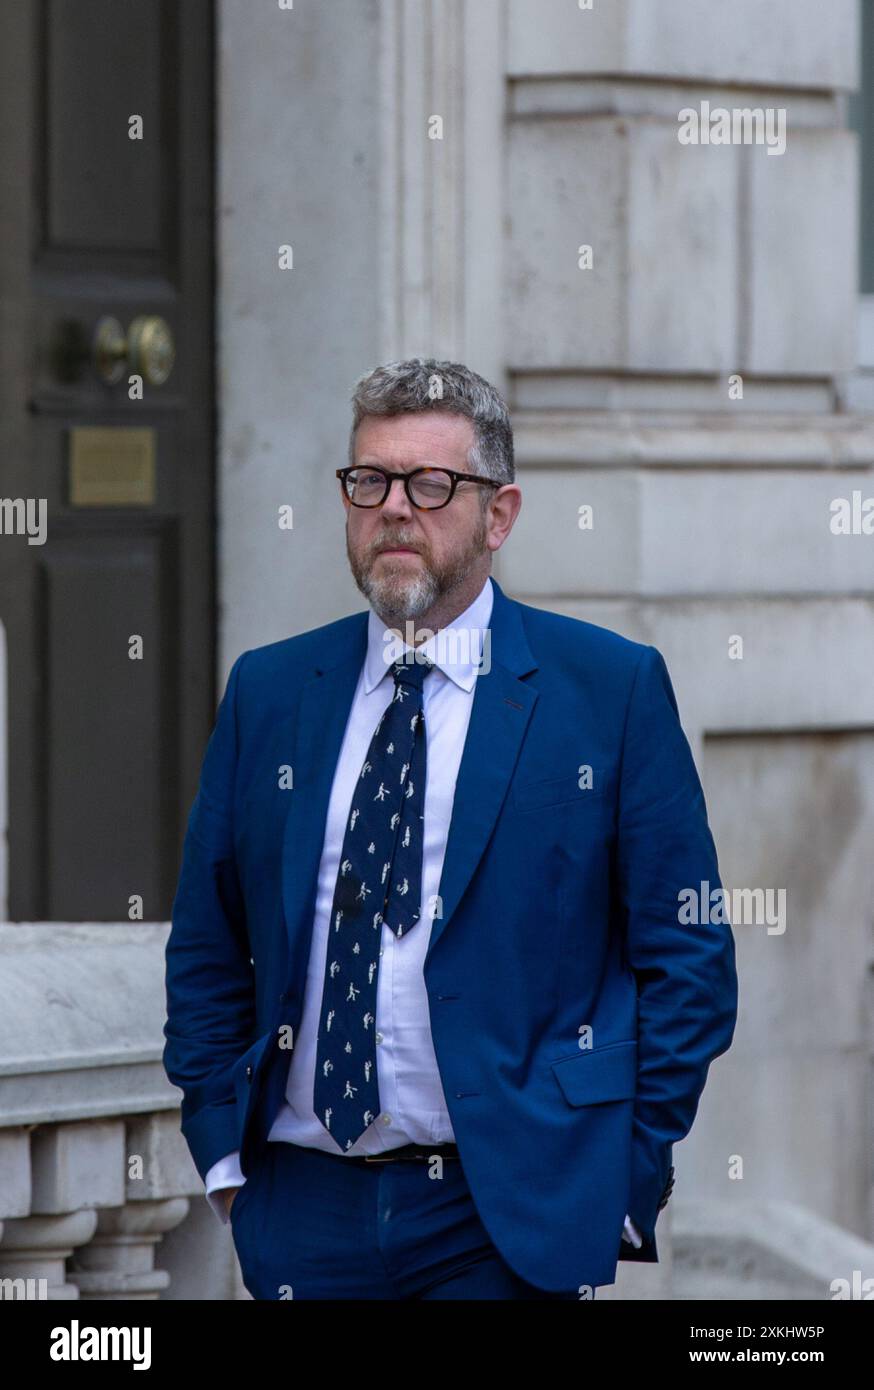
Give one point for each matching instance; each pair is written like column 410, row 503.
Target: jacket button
column 249, row 1072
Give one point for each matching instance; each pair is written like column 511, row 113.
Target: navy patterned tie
column 379, row 880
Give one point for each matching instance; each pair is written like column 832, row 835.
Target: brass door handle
column 148, row 349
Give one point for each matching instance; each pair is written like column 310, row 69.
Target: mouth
column 398, row 550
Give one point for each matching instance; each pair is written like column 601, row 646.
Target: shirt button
column 378, row 1037
column 386, row 1119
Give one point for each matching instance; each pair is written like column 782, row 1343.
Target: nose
column 397, row 504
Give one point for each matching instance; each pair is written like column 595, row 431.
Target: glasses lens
column 365, row 487
column 431, row 489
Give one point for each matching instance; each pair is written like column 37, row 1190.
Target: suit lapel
column 502, row 708
column 325, row 702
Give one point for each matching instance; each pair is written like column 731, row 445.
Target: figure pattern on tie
column 379, row 880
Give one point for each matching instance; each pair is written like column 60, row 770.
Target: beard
column 397, row 595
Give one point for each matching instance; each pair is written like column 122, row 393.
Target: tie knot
column 412, row 673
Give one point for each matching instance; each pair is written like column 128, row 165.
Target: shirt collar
column 456, row 649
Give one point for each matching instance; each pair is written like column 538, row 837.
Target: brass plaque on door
column 112, row 467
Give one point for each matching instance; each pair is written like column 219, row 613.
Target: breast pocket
column 561, row 791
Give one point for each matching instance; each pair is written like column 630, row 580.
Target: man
column 432, row 1003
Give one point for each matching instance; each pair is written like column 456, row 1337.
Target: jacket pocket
column 555, row 791
column 235, row 1204
column 601, row 1074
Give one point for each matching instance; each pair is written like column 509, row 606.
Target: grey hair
column 426, row 384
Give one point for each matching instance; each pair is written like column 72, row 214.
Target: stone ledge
column 725, row 1249
column 727, row 440
column 81, row 1033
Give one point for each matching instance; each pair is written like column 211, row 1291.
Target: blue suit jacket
column 560, row 913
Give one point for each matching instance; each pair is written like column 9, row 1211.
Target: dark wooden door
column 106, row 213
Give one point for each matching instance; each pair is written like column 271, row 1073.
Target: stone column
column 119, row 1260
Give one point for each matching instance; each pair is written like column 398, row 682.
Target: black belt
column 420, row 1152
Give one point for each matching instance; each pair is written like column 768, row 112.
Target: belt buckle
column 378, row 1158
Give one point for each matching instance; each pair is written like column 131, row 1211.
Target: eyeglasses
column 426, row 488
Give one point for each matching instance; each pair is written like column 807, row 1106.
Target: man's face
column 404, row 560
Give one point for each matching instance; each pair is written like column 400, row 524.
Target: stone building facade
column 681, row 333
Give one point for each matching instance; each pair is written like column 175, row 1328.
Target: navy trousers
column 311, row 1225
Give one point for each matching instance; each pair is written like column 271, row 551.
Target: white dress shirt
column 411, row 1094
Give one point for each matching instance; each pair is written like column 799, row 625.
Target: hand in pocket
column 229, row 1193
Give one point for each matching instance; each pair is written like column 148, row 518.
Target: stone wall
column 711, row 521
column 711, row 512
